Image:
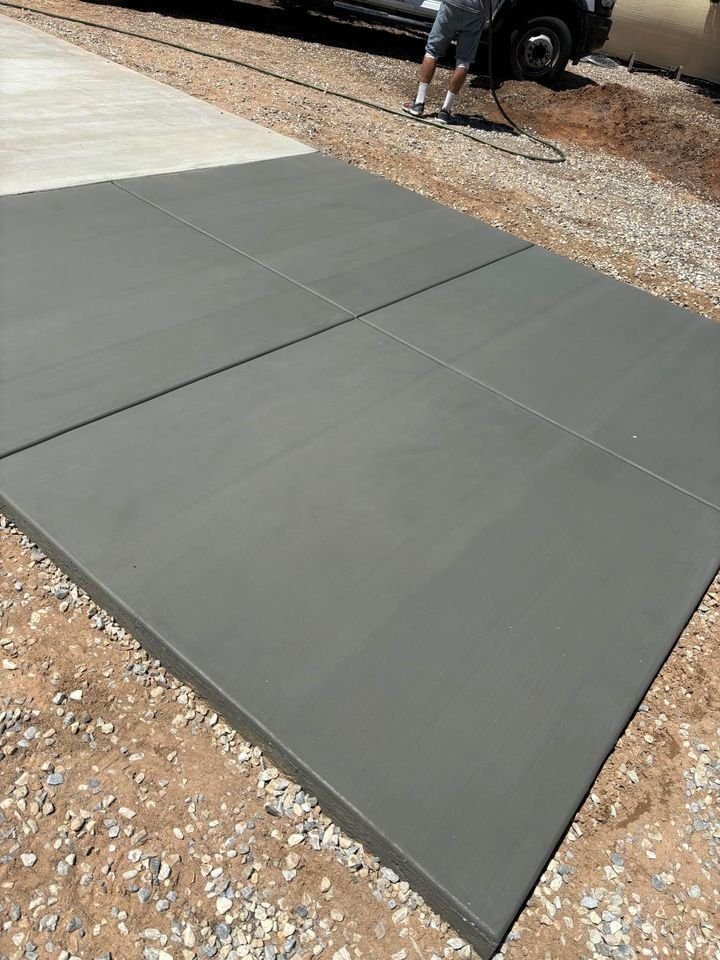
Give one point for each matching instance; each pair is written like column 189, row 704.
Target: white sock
column 422, row 93
column 449, row 101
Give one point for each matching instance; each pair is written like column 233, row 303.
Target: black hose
column 558, row 158
column 503, row 112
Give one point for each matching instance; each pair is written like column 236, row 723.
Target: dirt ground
column 624, row 122
column 128, row 809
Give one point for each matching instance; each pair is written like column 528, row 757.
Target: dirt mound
column 664, row 137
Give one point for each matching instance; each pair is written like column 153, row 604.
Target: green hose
column 559, row 156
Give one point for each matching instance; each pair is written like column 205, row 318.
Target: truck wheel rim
column 539, row 51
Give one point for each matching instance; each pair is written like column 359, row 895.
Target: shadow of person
column 566, row 81
column 482, row 124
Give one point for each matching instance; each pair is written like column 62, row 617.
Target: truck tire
column 540, row 49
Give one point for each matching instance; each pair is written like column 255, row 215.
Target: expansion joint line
column 542, row 416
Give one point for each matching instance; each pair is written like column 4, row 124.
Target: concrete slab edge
column 90, row 181
column 341, row 810
column 484, row 940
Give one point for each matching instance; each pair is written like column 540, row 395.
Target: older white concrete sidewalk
column 70, row 117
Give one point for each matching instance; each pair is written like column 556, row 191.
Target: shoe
column 445, row 117
column 414, row 108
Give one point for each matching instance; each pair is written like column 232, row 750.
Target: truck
column 532, row 39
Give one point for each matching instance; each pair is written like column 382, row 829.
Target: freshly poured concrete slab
column 437, row 608
column 627, row 370
column 71, row 117
column 106, row 301
column 353, row 237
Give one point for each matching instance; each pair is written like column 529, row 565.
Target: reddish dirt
column 625, row 123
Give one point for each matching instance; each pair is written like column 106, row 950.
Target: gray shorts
column 451, row 23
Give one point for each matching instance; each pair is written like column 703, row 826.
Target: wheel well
column 566, row 10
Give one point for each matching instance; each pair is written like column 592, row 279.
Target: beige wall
column 669, row 33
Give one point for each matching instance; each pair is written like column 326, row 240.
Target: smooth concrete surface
column 437, row 608
column 353, row 237
column 624, row 369
column 71, row 117
column 436, row 605
column 106, row 301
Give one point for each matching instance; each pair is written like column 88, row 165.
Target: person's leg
column 457, row 80
column 467, row 44
column 439, row 40
column 427, row 72
column 427, row 68
column 459, row 75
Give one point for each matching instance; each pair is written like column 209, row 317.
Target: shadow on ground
column 706, row 89
column 566, row 81
column 306, row 25
column 482, row 124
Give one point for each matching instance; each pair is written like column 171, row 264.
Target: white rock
column 223, row 905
